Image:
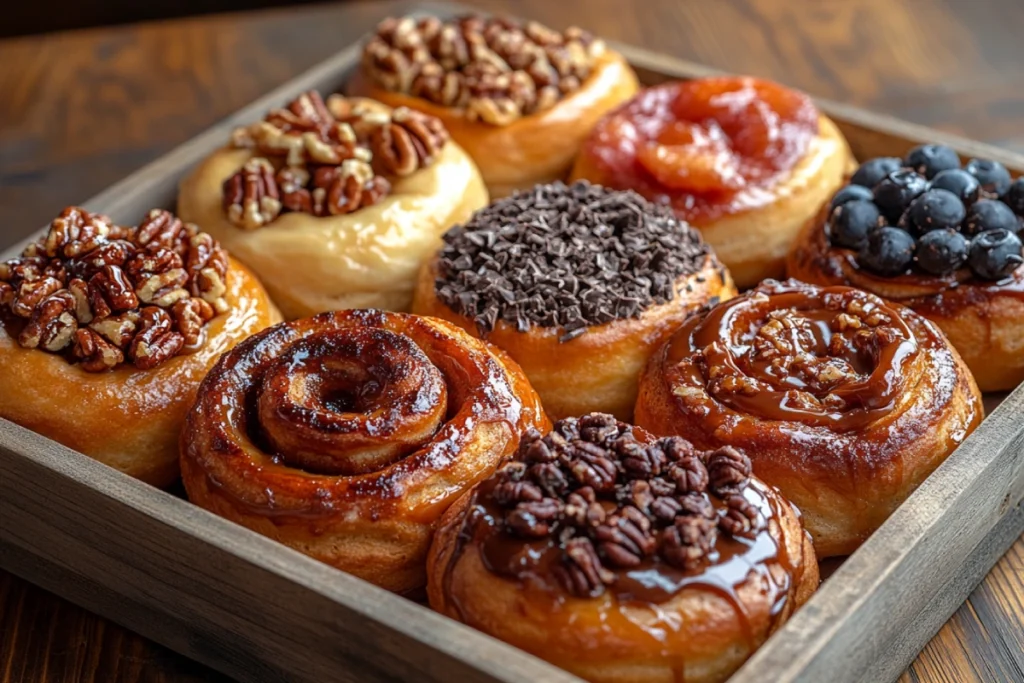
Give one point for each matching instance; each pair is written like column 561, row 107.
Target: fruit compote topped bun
column 746, row 161
column 939, row 238
column 519, row 97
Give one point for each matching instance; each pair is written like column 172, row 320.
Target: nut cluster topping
column 566, row 256
column 611, row 501
column 496, row 70
column 105, row 294
column 326, row 158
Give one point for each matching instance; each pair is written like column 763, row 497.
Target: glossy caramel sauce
column 708, row 147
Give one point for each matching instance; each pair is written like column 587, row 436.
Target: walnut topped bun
column 577, row 283
column 623, row 557
column 519, row 97
column 334, row 203
column 126, row 320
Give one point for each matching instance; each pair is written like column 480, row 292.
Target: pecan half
column 190, row 316
column 163, row 229
column 52, row 325
column 581, row 572
column 111, row 291
column 251, row 197
column 156, row 341
column 350, row 187
column 408, row 142
column 95, row 353
column 688, row 542
column 728, row 470
column 31, row 293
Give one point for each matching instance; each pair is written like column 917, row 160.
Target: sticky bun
column 578, row 283
column 745, row 161
column 518, row 97
column 334, row 204
column 107, row 330
column 844, row 402
column 939, row 238
column 346, row 435
column 621, row 557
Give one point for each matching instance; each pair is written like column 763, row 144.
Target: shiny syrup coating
column 354, row 412
column 707, row 147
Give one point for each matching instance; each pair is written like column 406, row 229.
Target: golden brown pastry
column 842, row 401
column 106, row 332
column 622, row 558
column 939, row 239
column 745, row 161
column 579, row 284
column 346, row 435
column 337, row 204
column 519, row 98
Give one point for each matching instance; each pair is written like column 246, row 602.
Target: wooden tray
column 256, row 610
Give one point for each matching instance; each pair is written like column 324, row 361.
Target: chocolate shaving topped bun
column 596, row 526
column 578, row 283
column 518, row 96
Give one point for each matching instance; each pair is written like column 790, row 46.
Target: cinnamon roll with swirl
column 844, row 402
column 346, row 435
column 620, row 557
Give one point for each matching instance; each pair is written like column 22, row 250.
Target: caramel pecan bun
column 334, row 204
column 106, row 332
column 579, row 284
column 621, row 557
column 844, row 402
column 346, row 435
column 953, row 257
column 745, row 161
column 519, row 97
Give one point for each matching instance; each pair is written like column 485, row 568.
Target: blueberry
column 1015, row 197
column 990, row 214
column 959, row 182
column 895, row 192
column 940, row 252
column 850, row 223
column 995, row 254
column 931, row 159
column 888, row 251
column 849, row 193
column 993, row 176
column 871, row 172
column 935, row 210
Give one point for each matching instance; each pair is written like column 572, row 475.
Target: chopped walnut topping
column 78, row 290
column 495, row 70
column 324, row 158
column 613, row 502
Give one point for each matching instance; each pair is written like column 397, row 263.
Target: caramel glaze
column 981, row 318
column 654, row 615
column 845, row 403
column 348, row 425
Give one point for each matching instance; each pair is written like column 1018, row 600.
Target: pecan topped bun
column 578, row 283
column 939, row 238
column 844, row 402
column 346, row 435
column 125, row 319
column 745, row 161
column 519, row 97
column 335, row 204
column 623, row 557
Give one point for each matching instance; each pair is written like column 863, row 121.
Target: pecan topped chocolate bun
column 844, row 402
column 335, row 203
column 518, row 96
column 595, row 527
column 127, row 319
column 577, row 283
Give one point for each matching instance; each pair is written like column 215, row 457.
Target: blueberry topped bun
column 938, row 236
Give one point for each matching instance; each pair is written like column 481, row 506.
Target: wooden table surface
column 81, row 110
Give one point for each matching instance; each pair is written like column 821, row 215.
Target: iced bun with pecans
column 578, row 283
column 107, row 330
column 622, row 557
column 334, row 203
column 519, row 97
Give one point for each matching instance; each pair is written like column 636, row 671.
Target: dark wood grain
column 83, row 109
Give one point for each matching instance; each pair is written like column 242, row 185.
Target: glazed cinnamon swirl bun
column 844, row 402
column 622, row 558
column 346, row 435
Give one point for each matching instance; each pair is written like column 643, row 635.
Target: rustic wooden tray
column 256, row 610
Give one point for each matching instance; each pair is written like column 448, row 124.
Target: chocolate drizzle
column 566, row 257
column 626, row 514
